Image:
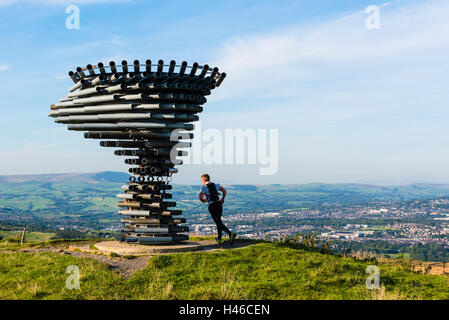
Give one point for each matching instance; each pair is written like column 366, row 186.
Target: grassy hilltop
column 260, row 271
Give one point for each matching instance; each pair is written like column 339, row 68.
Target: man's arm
column 202, row 197
column 223, row 192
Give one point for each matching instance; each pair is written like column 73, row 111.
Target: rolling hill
column 261, row 271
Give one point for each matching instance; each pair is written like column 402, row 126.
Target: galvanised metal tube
column 125, row 66
column 125, row 117
column 153, row 196
column 90, row 69
column 114, row 88
column 115, row 76
column 152, row 171
column 130, row 79
column 146, row 220
column 65, row 99
column 160, row 66
column 171, row 69
column 93, row 109
column 220, row 80
column 148, row 153
column 132, row 161
column 144, row 86
column 85, row 92
column 141, row 96
column 150, row 240
column 145, row 170
column 194, row 68
column 162, row 220
column 80, row 72
column 130, row 204
column 126, row 196
column 178, row 162
column 77, row 84
column 160, row 150
column 167, row 144
column 129, row 125
column 136, row 66
column 157, row 205
column 148, row 66
column 172, row 212
column 134, row 212
column 168, row 153
column 73, row 76
column 182, row 70
column 145, row 134
column 112, row 66
column 146, row 187
column 123, row 144
column 145, row 161
column 101, row 67
column 135, row 187
column 106, row 135
column 204, row 71
column 97, row 80
column 63, row 104
column 104, row 98
column 146, row 230
column 214, row 73
column 150, row 77
column 129, row 187
column 130, row 153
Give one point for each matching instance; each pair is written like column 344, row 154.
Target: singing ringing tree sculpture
column 147, row 111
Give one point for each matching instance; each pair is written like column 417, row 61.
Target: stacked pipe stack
column 145, row 110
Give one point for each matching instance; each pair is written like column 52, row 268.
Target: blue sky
column 351, row 104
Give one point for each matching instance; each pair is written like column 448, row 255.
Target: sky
column 349, row 103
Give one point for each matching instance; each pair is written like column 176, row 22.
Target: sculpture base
column 123, row 248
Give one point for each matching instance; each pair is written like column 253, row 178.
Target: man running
column 209, row 193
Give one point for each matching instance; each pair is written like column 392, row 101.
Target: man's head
column 205, row 178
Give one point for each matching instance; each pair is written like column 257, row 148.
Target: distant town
column 275, row 225
column 410, row 220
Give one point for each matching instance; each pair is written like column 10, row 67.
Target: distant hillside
column 93, row 177
column 89, row 199
column 120, row 177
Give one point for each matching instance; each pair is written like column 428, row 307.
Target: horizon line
column 370, row 183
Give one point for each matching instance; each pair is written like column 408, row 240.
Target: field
column 260, row 271
column 89, row 200
column 29, row 236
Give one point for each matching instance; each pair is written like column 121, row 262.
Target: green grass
column 42, row 276
column 29, row 236
column 262, row 271
column 397, row 255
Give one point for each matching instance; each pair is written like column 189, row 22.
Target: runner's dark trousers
column 216, row 211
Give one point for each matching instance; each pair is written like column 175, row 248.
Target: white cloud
column 3, row 67
column 350, row 103
column 113, row 41
column 281, row 62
